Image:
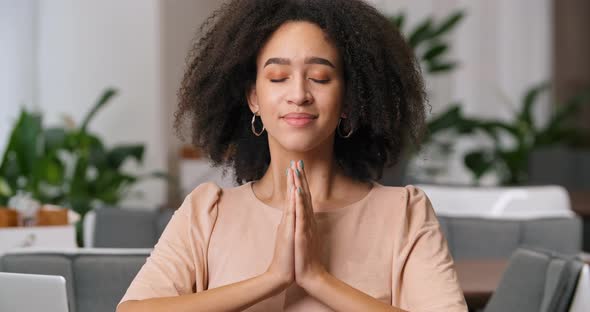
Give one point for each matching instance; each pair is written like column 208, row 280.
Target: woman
column 307, row 102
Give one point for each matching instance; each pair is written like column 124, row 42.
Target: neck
column 320, row 169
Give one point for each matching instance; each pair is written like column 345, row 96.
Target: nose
column 299, row 93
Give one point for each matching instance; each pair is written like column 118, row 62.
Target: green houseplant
column 70, row 167
column 511, row 162
column 429, row 42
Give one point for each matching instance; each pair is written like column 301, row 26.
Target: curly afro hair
column 384, row 90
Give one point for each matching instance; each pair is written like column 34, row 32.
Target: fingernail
column 297, row 172
column 301, row 164
column 299, row 190
column 287, row 172
column 292, row 163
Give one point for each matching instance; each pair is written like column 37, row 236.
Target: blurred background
column 506, row 82
column 88, row 95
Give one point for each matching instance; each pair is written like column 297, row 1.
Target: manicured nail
column 287, row 172
column 301, row 164
column 299, row 190
column 297, row 172
column 292, row 163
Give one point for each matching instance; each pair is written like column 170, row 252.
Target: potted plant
column 511, row 163
column 67, row 166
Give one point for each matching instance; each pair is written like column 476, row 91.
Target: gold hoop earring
column 254, row 128
column 340, row 132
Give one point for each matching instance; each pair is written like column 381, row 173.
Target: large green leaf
column 446, row 120
column 421, row 33
column 55, row 139
column 448, row 24
column 23, row 144
column 529, row 100
column 100, row 103
column 515, row 162
column 50, row 170
column 79, row 183
column 110, row 185
column 435, row 67
column 117, row 156
column 398, row 20
column 435, row 51
column 479, row 162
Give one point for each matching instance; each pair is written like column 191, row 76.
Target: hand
column 308, row 267
column 282, row 265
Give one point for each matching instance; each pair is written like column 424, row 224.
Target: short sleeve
column 428, row 278
column 178, row 263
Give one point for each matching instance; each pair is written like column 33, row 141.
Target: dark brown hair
column 384, row 91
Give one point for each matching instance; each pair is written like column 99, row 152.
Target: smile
column 298, row 121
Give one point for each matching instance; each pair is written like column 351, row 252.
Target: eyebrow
column 308, row 60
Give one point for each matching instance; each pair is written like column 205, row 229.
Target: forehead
column 297, row 40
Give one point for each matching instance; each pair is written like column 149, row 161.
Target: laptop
column 32, row 293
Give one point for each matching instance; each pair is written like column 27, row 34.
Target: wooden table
column 580, row 201
column 479, row 279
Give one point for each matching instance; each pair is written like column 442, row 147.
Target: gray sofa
column 480, row 238
column 110, row 227
column 468, row 238
column 97, row 280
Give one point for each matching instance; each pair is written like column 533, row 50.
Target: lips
column 299, row 119
column 299, row 115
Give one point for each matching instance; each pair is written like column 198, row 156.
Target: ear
column 252, row 99
column 343, row 110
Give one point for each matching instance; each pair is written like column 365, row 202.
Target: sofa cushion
column 124, row 228
column 474, row 238
column 560, row 234
column 101, row 280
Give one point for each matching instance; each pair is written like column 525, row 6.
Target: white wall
column 86, row 46
column 503, row 47
column 17, row 61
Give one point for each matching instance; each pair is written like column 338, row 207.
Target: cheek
column 331, row 102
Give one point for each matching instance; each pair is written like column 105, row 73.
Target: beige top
column 388, row 245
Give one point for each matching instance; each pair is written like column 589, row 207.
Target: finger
column 299, row 186
column 300, row 213
column 288, row 173
column 287, row 203
column 289, row 213
column 296, row 175
column 305, row 186
column 291, row 193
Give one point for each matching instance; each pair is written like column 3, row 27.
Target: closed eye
column 321, row 81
